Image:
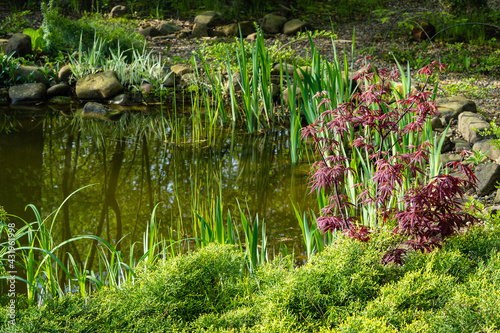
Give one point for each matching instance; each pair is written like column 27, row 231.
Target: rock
column 236, row 81
column 447, row 146
column 180, row 69
column 33, row 73
column 28, row 92
column 61, row 89
column 286, row 68
column 65, row 73
column 168, row 28
column 436, row 123
column 93, row 110
column 451, row 107
column 469, row 124
column 488, row 146
column 209, row 18
column 286, row 95
column 20, row 44
column 118, row 11
column 293, row 26
column 98, row 86
column 301, row 71
column 461, row 145
column 497, row 197
column 233, row 29
column 146, row 88
column 149, row 32
column 121, row 99
column 447, row 158
column 488, row 175
column 184, row 33
column 199, row 30
column 189, row 79
column 423, row 31
column 273, row 24
column 61, row 100
column 275, row 91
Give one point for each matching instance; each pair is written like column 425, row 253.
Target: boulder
column 436, row 123
column 20, row 44
column 236, row 81
column 461, row 145
column 286, row 68
column 118, row 11
column 28, row 92
column 61, row 89
column 209, row 18
column 184, row 33
column 488, row 175
column 149, row 32
column 168, row 28
column 448, row 157
column 469, row 124
column 489, row 147
column 199, row 30
column 146, row 88
column 233, row 29
column 293, row 26
column 65, row 73
column 33, row 73
column 181, row 69
column 304, row 70
column 273, row 24
column 121, row 99
column 451, row 107
column 93, row 110
column 98, row 86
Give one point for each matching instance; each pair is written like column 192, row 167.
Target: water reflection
column 47, row 157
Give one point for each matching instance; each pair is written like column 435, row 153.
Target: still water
column 138, row 162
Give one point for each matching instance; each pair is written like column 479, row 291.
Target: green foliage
column 451, row 262
column 362, row 323
column 465, row 87
column 329, row 287
column 14, row 22
column 37, row 41
column 420, row 290
column 61, row 33
column 196, row 283
column 463, row 6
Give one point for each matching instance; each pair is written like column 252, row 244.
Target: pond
column 139, row 162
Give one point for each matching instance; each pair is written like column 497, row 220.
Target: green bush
column 333, row 284
column 364, row 324
column 451, row 262
column 62, row 34
column 402, row 302
column 476, row 244
column 205, row 281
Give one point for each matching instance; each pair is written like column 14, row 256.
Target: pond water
column 45, row 155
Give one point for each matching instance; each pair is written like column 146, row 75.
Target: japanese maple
column 374, row 152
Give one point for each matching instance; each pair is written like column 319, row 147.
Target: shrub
column 360, row 323
column 450, row 262
column 61, row 33
column 333, row 284
column 378, row 164
column 418, row 291
column 202, row 282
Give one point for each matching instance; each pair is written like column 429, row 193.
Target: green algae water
column 138, row 162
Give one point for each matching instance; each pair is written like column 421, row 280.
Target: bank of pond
column 344, row 288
